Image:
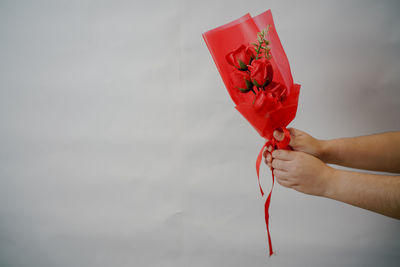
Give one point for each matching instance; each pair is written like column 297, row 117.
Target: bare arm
column 379, row 152
column 307, row 174
column 378, row 193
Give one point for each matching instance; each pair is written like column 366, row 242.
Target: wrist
column 323, row 150
column 330, row 176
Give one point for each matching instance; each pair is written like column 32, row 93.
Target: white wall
column 121, row 147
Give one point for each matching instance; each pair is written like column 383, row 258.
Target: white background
column 120, row 146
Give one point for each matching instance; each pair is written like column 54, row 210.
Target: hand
column 301, row 171
column 299, row 141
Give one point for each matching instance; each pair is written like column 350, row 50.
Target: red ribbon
column 275, row 144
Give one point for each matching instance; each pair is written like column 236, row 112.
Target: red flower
column 240, row 57
column 241, row 80
column 265, row 102
column 277, row 90
column 261, row 72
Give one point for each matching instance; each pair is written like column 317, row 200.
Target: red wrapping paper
column 265, row 113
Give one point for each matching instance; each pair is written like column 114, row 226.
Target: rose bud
column 283, row 94
column 240, row 57
column 261, row 72
column 241, row 80
column 278, row 90
column 265, row 102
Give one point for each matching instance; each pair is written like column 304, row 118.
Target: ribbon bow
column 275, row 144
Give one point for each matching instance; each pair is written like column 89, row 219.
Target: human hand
column 301, row 171
column 299, row 141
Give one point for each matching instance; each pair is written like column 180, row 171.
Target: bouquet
column 256, row 72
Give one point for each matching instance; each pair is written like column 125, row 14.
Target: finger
column 284, row 183
column 283, row 154
column 281, row 175
column 279, row 164
column 265, row 152
column 268, row 158
column 283, row 179
column 279, row 135
column 268, row 162
column 269, row 165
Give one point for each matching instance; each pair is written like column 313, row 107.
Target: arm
column 307, row 174
column 379, row 152
column 378, row 193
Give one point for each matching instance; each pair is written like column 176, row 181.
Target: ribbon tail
column 268, row 200
column 258, row 162
column 283, row 144
column 266, row 210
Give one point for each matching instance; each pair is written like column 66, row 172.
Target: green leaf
column 256, row 84
column 249, row 84
column 243, row 90
column 242, row 65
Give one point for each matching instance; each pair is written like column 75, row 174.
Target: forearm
column 379, row 152
column 378, row 193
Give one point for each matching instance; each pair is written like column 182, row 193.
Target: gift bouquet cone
column 255, row 70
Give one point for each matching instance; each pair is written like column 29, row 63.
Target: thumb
column 279, row 135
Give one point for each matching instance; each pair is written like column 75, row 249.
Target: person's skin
column 306, row 171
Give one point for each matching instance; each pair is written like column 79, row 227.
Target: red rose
column 261, row 72
column 241, row 80
column 266, row 102
column 278, row 90
column 240, row 57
